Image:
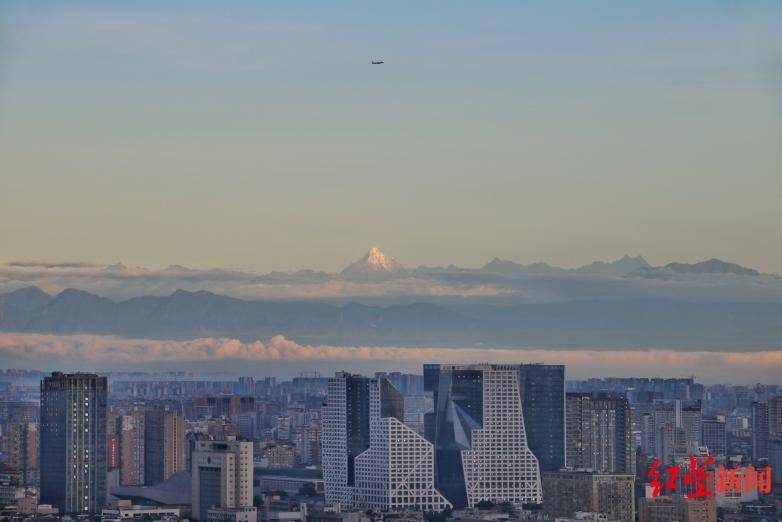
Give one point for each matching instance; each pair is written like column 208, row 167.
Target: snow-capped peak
column 375, row 262
column 377, row 258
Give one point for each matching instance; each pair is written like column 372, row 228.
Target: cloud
column 36, row 349
column 121, row 282
column 49, row 264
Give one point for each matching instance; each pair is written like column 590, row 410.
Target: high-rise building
column 416, row 406
column 671, row 443
column 73, row 442
column 22, row 447
column 775, row 417
column 566, row 493
column 691, row 421
column 371, row 459
column 679, row 422
column 131, row 448
column 222, row 476
column 396, row 472
column 112, row 451
column 345, row 435
column 599, row 433
column 164, row 440
column 760, row 430
column 479, row 433
column 775, row 462
column 543, row 397
column 714, row 435
column 308, row 443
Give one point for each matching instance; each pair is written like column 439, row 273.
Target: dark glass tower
column 543, row 397
column 482, row 401
column 458, row 409
column 73, row 442
column 357, row 420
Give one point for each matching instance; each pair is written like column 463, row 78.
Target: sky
column 257, row 135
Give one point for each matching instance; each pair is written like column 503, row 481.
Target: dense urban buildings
column 566, row 493
column 334, row 448
column 73, row 442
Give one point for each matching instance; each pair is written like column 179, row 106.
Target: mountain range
column 637, row 323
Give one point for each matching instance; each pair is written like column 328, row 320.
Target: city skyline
column 391, row 261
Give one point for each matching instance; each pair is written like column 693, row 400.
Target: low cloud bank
column 50, row 264
column 39, row 350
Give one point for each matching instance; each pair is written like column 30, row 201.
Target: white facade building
column 500, row 466
column 394, row 469
column 335, row 445
column 397, row 471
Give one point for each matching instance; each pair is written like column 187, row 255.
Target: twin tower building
column 493, row 429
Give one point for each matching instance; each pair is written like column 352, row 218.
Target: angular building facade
column 478, row 430
column 345, row 435
column 371, row 459
column 396, row 472
column 73, row 442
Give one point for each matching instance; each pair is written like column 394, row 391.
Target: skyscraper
column 714, row 435
column 599, row 433
column 543, row 398
column 73, row 442
column 131, row 448
column 345, row 434
column 371, row 459
column 222, row 476
column 775, row 417
column 396, row 472
column 164, row 441
column 478, row 431
column 760, row 430
column 22, row 443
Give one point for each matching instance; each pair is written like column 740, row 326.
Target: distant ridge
column 620, row 267
column 712, row 266
column 596, row 324
column 25, row 299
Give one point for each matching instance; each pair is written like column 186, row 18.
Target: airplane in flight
column 377, row 63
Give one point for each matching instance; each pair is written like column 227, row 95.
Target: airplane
column 377, row 63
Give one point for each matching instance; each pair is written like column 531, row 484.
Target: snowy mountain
column 374, row 265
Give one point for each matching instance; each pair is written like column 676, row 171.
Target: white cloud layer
column 39, row 350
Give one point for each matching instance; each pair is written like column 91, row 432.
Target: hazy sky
column 258, row 135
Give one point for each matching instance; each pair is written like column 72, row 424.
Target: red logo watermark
column 699, row 478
